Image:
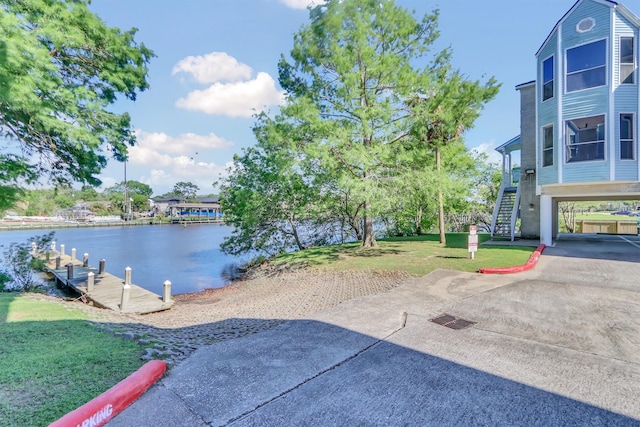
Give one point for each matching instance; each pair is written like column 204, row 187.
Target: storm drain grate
column 452, row 322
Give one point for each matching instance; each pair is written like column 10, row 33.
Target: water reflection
column 189, row 257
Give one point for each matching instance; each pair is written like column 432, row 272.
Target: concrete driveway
column 558, row 345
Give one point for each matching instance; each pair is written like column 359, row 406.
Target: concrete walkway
column 558, row 345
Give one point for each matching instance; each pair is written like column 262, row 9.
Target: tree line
column 110, row 201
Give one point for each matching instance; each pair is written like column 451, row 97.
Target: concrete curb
column 533, row 260
column 98, row 411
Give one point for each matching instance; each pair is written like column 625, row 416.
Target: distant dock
column 105, row 290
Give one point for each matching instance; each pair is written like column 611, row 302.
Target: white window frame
column 632, row 140
column 550, row 148
column 568, row 146
column 631, row 64
column 552, row 81
column 566, row 66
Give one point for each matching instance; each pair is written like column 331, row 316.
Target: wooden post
column 61, row 249
column 57, row 262
column 90, row 281
column 166, row 291
column 73, row 253
column 101, row 267
column 69, row 271
column 124, row 301
column 85, row 260
column 127, row 276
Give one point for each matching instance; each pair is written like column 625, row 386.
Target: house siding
column 548, row 111
column 626, row 100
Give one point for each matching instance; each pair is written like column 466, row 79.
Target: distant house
column 176, row 206
column 579, row 121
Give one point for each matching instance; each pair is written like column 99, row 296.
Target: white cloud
column 489, row 148
column 186, row 169
column 186, row 143
column 213, row 67
column 240, row 99
column 301, row 4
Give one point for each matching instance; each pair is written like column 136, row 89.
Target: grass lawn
column 52, row 360
column 416, row 255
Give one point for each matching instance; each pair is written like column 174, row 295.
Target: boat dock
column 107, row 290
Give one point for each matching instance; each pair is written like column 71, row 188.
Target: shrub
column 22, row 261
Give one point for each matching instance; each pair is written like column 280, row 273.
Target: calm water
column 189, row 257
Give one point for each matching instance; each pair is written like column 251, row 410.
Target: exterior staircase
column 506, row 213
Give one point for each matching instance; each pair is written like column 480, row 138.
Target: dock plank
column 107, row 290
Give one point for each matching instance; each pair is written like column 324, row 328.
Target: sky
column 216, row 66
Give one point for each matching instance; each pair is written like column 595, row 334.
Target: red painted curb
column 533, row 260
column 98, row 411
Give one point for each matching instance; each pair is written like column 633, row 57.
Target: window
column 587, row 66
column 585, row 139
column 547, row 79
column 626, row 136
column 547, row 145
column 627, row 60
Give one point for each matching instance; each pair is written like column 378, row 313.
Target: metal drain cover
column 452, row 322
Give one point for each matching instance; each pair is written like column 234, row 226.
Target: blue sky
column 217, row 60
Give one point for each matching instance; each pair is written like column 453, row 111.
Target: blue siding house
column 579, row 121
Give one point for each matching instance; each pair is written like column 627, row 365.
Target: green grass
column 52, row 360
column 417, row 255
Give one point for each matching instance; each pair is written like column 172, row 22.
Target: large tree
column 61, row 67
column 357, row 75
column 268, row 198
column 188, row 190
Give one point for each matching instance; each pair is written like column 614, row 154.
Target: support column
column 546, row 220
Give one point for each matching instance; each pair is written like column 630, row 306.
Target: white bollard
column 90, row 281
column 166, row 291
column 73, row 253
column 53, row 246
column 85, row 260
column 61, row 249
column 124, row 301
column 33, row 248
column 127, row 276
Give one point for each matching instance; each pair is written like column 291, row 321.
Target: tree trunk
column 369, row 239
column 443, row 237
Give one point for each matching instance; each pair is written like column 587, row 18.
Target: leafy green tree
column 445, row 111
column 61, row 67
column 353, row 68
column 138, row 191
column 267, row 198
column 23, row 261
column 188, row 190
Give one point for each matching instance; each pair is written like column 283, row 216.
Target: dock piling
column 73, row 253
column 124, row 301
column 57, row 262
column 85, row 260
column 101, row 267
column 90, row 281
column 61, row 249
column 166, row 291
column 127, row 276
column 69, row 271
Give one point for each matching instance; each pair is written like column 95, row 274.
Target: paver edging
column 533, row 260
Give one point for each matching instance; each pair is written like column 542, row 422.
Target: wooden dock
column 107, row 289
